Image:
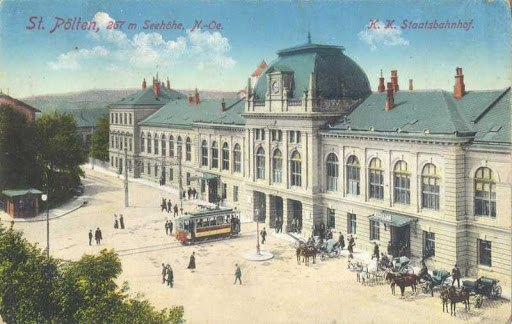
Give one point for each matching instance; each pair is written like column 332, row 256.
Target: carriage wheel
column 478, row 302
column 496, row 291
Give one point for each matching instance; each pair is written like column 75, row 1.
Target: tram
column 207, row 223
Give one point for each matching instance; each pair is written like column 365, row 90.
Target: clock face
column 275, row 87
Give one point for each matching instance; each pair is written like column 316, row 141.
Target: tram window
column 220, row 219
column 186, row 225
column 213, row 222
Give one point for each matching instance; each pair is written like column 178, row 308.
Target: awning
column 392, row 219
column 205, row 177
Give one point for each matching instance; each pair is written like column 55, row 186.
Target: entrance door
column 276, row 210
column 401, row 241
column 295, row 221
column 212, row 191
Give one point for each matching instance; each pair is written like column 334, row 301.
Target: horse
column 444, row 298
column 402, row 281
column 298, row 251
column 455, row 297
column 371, row 269
column 308, row 252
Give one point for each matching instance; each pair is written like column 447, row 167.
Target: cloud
column 382, row 37
column 73, row 60
column 198, row 49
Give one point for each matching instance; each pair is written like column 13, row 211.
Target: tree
column 60, row 153
column 99, row 147
column 18, row 165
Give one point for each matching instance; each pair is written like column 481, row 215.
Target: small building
column 21, row 202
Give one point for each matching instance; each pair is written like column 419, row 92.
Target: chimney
column 382, row 86
column 223, row 105
column 196, row 97
column 390, row 99
column 394, row 80
column 459, row 89
column 410, row 85
column 168, row 84
column 144, row 84
column 156, row 89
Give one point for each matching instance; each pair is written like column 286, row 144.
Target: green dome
column 337, row 75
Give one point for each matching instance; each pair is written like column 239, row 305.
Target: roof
column 208, row 212
column 392, row 219
column 86, row 117
column 263, row 65
column 8, row 99
column 21, row 192
column 148, row 97
column 484, row 115
column 180, row 113
column 337, row 75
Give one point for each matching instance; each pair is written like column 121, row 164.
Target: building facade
column 427, row 172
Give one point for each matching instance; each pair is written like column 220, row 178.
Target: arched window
column 225, row 156
column 179, row 147
column 215, row 155
column 156, row 144
column 149, row 146
column 376, row 179
column 142, row 142
column 353, row 176
column 188, row 149
column 237, row 157
column 332, row 172
column 171, row 146
column 485, row 192
column 402, row 183
column 260, row 163
column 295, row 169
column 430, row 187
column 277, row 166
column 204, row 153
column 164, row 145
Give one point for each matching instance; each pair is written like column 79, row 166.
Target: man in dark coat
column 121, row 221
column 97, row 236
column 456, row 276
column 169, row 205
column 263, row 235
column 170, row 227
column 163, row 204
column 90, row 237
column 342, row 241
column 390, row 249
column 170, row 276
column 164, row 273
column 238, row 274
column 192, row 262
column 351, row 244
column 166, row 227
column 175, row 210
column 376, row 252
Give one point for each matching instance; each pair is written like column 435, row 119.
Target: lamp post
column 44, row 197
column 257, row 211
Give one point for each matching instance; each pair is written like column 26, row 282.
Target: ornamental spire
column 309, row 37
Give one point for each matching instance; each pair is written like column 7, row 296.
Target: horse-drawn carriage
column 402, row 265
column 482, row 287
column 330, row 248
column 439, row 278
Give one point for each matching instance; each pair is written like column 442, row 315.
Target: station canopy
column 393, row 219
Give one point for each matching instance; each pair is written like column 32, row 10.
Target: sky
column 235, row 36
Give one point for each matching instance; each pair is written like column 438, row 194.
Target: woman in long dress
column 192, row 262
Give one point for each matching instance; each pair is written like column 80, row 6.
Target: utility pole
column 125, row 177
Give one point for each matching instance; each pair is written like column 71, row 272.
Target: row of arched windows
column 485, row 185
column 147, row 145
column 277, row 166
column 214, row 151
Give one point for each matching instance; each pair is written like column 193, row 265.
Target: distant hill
column 101, row 98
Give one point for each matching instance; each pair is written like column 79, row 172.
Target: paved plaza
column 274, row 291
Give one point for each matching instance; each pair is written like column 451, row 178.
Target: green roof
column 148, row 97
column 484, row 115
column 180, row 113
column 21, row 192
column 86, row 117
column 392, row 219
column 336, row 74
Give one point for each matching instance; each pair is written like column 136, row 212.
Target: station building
column 428, row 170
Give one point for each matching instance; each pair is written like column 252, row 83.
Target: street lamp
column 257, row 211
column 44, row 197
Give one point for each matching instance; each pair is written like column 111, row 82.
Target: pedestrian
column 390, row 249
column 192, row 262
column 181, row 210
column 175, row 210
column 263, row 235
column 116, row 223
column 376, row 252
column 342, row 241
column 170, row 276
column 97, row 236
column 164, row 273
column 351, row 244
column 166, row 227
column 169, row 205
column 163, row 205
column 121, row 221
column 456, row 276
column 189, row 193
column 90, row 237
column 170, row 227
column 238, row 274
column 194, row 193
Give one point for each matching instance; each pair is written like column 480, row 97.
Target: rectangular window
column 188, row 178
column 171, row 174
column 376, row 184
column 112, row 141
column 235, row 193
column 130, row 143
column 111, row 118
column 125, row 119
column 116, row 162
column 429, row 244
column 484, row 253
column 130, row 165
column 164, row 148
column 331, row 218
column 277, row 135
column 111, row 161
column 224, row 191
column 156, row 170
column 117, row 120
column 374, row 230
column 156, row 146
column 292, row 137
column 130, row 116
column 351, row 223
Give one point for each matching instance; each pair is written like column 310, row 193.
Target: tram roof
column 208, row 212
